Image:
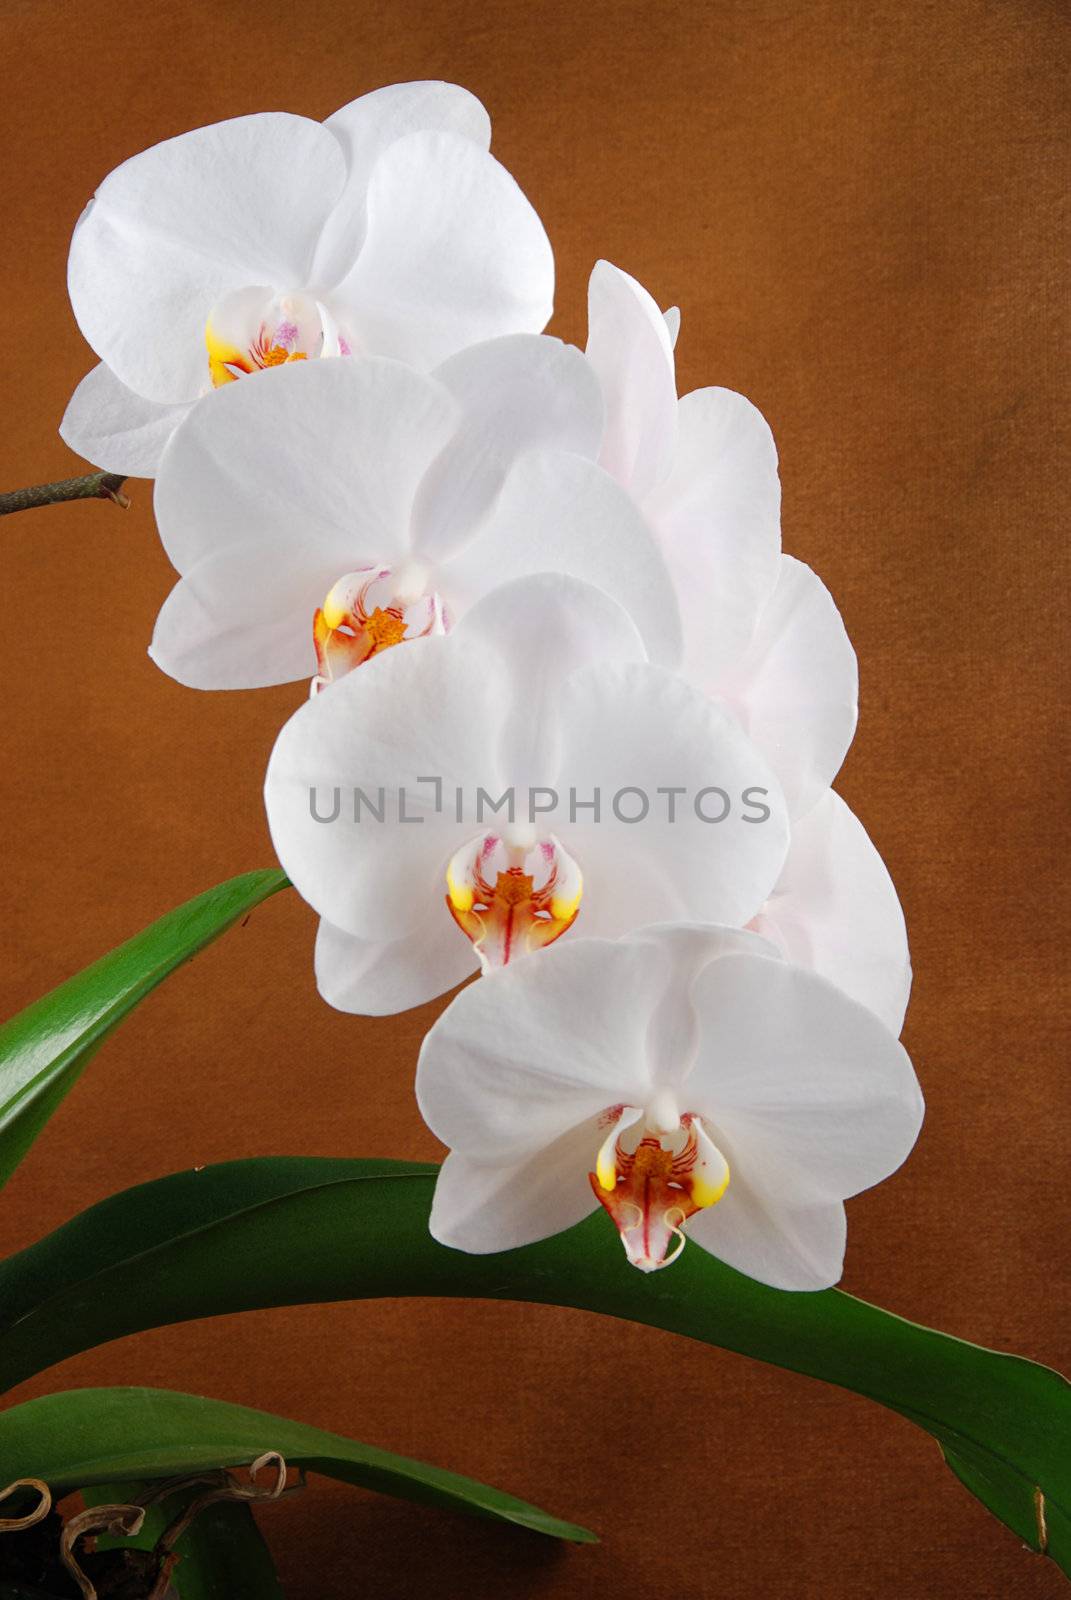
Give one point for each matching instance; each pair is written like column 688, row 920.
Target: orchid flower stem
column 94, row 486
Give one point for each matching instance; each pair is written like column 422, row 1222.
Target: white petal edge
column 560, row 513
column 367, row 125
column 116, row 429
column 636, row 725
column 630, row 347
column 685, row 949
column 717, row 516
column 370, row 978
column 835, row 909
column 797, row 1248
column 673, row 324
column 482, row 1209
column 521, row 392
column 425, row 709
column 515, row 1062
column 810, row 1097
column 454, row 254
column 796, row 688
column 365, row 128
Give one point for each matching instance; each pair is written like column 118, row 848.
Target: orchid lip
column 253, row 329
column 370, row 610
column 654, row 1170
column 512, row 893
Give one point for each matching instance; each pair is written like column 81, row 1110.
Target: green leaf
column 44, row 1049
column 222, row 1555
column 290, row 1230
column 88, row 1436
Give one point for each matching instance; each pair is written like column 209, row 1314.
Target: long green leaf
column 44, row 1049
column 88, row 1436
column 290, row 1230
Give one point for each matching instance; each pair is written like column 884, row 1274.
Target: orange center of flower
column 510, row 899
column 277, row 355
column 228, row 360
column 384, row 629
column 350, row 627
column 513, row 887
column 651, row 1187
column 651, row 1163
column 251, row 329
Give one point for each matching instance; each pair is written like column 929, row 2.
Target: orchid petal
column 115, row 428
column 367, row 125
column 717, row 516
column 537, row 631
column 240, row 619
column 639, row 727
column 539, row 1047
column 270, row 491
column 560, row 513
column 796, row 688
column 454, row 253
column 630, row 347
column 418, row 712
column 377, row 979
column 520, row 392
column 788, row 1247
column 175, row 228
column 684, row 949
column 673, row 325
column 481, row 1208
column 364, row 129
column 835, row 909
column 808, row 1094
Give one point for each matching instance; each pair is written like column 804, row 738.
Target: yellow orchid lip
column 563, row 908
column 334, row 609
column 606, row 1170
column 461, row 892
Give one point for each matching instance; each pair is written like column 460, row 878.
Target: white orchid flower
column 387, row 230
column 761, row 631
column 636, row 799
column 683, row 1078
column 835, row 909
column 321, row 517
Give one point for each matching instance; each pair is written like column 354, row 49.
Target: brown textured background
column 860, row 209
